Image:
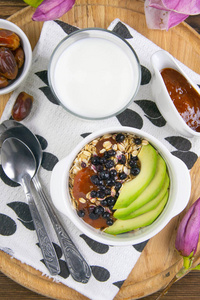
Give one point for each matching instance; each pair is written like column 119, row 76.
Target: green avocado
column 121, row 226
column 132, row 189
column 151, row 204
column 148, row 194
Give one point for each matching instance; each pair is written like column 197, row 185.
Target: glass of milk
column 94, row 73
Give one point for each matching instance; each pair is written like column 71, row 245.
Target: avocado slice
column 151, row 204
column 148, row 194
column 132, row 189
column 121, row 226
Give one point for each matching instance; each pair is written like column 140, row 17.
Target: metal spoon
column 78, row 267
column 19, row 165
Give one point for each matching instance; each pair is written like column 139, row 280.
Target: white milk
column 95, row 78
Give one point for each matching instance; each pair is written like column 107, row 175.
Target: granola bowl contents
column 120, row 186
column 15, row 56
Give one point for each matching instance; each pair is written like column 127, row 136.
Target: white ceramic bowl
column 94, row 73
column 180, row 187
column 4, row 24
column 160, row 60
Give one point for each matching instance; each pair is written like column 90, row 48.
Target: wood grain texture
column 159, row 261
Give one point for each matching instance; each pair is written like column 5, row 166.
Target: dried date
column 8, row 65
column 9, row 39
column 3, row 82
column 22, row 106
column 19, row 56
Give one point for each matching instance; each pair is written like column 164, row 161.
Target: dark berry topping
column 95, row 160
column 93, row 194
column 113, row 173
column 133, row 163
column 109, row 222
column 118, row 185
column 109, row 164
column 120, row 137
column 95, row 179
column 110, row 182
column 98, row 210
column 111, row 153
column 135, row 171
column 81, row 213
column 104, row 202
column 102, row 160
column 104, row 174
column 101, row 194
column 106, row 215
column 137, row 141
column 110, row 200
column 107, row 191
column 122, row 159
column 122, row 175
column 93, row 216
column 83, row 164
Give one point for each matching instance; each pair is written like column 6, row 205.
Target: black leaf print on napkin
column 47, row 92
column 151, row 112
column 146, row 75
column 140, row 247
column 130, row 118
column 23, row 212
column 122, row 30
column 43, row 76
column 7, row 180
column 43, row 142
column 118, row 283
column 189, row 158
column 7, row 225
column 100, row 273
column 66, row 27
column 85, row 134
column 179, row 142
column 49, row 160
column 183, row 146
column 95, row 246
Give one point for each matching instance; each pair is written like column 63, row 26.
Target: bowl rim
column 79, row 31
column 28, row 58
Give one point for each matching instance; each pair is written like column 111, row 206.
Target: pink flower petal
column 187, row 7
column 52, row 9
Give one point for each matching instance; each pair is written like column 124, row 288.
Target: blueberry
column 107, row 191
column 137, row 141
column 106, row 215
column 122, row 159
column 81, row 213
column 99, row 168
column 95, row 160
column 104, row 202
column 113, row 173
column 118, row 185
column 98, row 210
column 95, row 179
column 102, row 160
column 109, row 222
column 122, row 175
column 111, row 153
column 109, row 164
column 133, row 163
column 110, row 182
column 120, row 137
column 93, row 216
column 111, row 207
column 93, row 194
column 102, row 188
column 101, row 194
column 83, row 164
column 104, row 174
column 116, row 195
column 106, row 155
column 110, row 200
column 135, row 171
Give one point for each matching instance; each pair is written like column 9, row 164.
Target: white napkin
column 59, row 132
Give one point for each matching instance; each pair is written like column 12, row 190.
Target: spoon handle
column 46, row 246
column 78, row 267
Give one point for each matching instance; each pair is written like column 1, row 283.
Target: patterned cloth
column 59, row 132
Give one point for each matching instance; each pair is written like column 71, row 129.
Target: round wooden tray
column 159, row 261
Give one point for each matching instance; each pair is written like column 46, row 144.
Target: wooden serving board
column 159, row 261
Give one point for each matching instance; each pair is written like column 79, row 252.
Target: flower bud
column 188, row 231
column 52, row 9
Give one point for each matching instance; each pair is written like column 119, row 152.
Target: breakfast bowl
column 184, row 116
column 16, row 56
column 67, row 181
column 94, row 73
